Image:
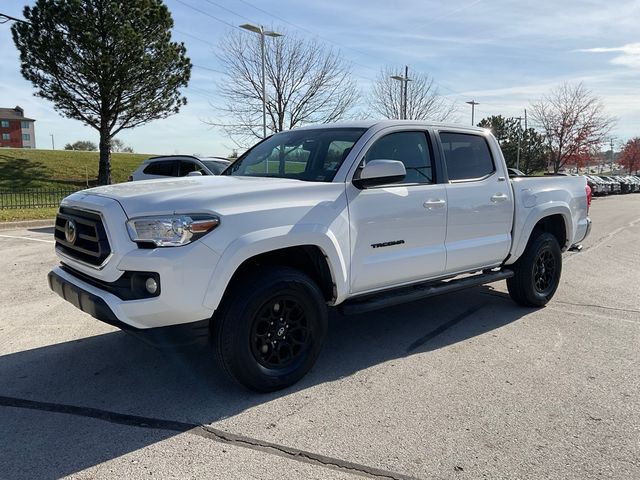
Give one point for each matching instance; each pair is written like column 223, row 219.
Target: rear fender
column 536, row 214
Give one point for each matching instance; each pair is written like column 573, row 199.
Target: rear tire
column 269, row 328
column 537, row 272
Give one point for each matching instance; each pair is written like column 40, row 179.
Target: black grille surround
column 91, row 244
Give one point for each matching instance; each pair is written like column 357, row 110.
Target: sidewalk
column 49, row 222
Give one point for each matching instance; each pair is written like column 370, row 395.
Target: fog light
column 151, row 285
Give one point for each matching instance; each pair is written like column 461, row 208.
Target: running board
column 419, row 291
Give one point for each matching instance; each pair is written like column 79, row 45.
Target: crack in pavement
column 302, row 455
column 207, row 432
column 604, row 307
column 442, row 328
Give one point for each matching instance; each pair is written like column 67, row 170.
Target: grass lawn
column 24, row 168
column 17, row 214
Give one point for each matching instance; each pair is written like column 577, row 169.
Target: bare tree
column 119, row 146
column 305, row 83
column 573, row 121
column 424, row 101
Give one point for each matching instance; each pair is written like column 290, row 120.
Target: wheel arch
column 309, row 259
column 317, row 255
column 556, row 225
column 555, row 220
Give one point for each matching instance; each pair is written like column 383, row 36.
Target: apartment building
column 16, row 130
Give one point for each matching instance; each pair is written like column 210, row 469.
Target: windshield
column 313, row 155
column 216, row 167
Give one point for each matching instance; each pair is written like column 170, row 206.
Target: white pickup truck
column 362, row 216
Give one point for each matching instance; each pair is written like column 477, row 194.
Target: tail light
column 587, row 190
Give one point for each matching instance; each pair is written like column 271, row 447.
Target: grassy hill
column 25, row 168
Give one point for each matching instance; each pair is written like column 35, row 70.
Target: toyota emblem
column 70, row 231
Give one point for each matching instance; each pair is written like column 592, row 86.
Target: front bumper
column 191, row 333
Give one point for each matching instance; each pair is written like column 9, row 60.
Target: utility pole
column 53, row 145
column 403, row 91
column 526, row 132
column 473, row 104
column 519, row 142
column 264, row 87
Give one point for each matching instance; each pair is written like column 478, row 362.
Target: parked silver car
column 179, row 166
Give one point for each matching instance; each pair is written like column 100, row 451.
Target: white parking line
column 28, row 238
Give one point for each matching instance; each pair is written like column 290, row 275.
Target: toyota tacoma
column 358, row 216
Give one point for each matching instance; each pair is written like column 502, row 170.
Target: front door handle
column 499, row 197
column 434, row 203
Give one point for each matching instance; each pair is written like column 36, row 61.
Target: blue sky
column 502, row 53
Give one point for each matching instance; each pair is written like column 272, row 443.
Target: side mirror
column 380, row 172
column 195, row 173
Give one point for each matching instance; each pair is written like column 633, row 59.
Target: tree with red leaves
column 573, row 122
column 585, row 158
column 630, row 158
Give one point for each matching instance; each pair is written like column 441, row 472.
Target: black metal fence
column 33, row 197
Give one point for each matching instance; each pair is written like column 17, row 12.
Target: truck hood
column 220, row 194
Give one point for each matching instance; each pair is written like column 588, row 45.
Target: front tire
column 269, row 328
column 537, row 272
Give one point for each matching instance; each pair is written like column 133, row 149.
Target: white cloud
column 630, row 54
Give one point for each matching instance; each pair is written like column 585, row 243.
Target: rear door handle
column 434, row 203
column 499, row 197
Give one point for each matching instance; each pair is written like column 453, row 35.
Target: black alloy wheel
column 537, row 272
column 269, row 328
column 280, row 333
column 544, row 272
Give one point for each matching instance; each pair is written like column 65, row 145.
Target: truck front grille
column 81, row 235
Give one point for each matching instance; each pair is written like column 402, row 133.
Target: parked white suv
column 361, row 216
column 179, row 166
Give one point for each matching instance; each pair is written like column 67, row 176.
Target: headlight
column 171, row 230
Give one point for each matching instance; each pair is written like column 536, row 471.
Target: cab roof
column 392, row 123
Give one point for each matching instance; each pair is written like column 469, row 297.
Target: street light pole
column 611, row 161
column 264, row 86
column 403, row 91
column 53, row 145
column 406, row 83
column 262, row 32
column 473, row 104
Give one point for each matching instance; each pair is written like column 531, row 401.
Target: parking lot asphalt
column 467, row 385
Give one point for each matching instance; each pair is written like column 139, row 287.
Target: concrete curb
column 27, row 224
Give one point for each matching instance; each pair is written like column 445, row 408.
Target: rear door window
column 167, row 168
column 467, row 156
column 187, row 167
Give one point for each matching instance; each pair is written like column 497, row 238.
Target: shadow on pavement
column 119, row 373
column 47, row 230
